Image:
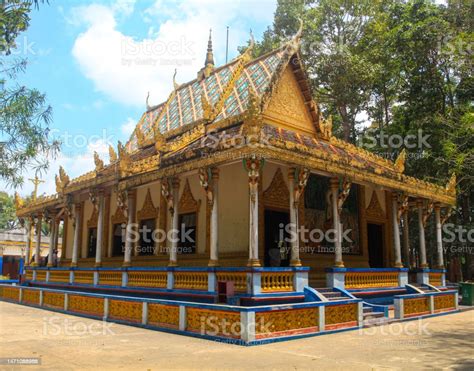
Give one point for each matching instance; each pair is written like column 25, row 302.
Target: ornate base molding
column 172, row 263
column 253, row 263
column 213, row 263
column 295, row 263
column 339, row 264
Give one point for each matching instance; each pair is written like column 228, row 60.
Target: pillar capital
column 215, row 173
column 291, row 173
column 334, row 183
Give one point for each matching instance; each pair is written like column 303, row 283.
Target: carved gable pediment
column 374, row 209
column 277, row 194
column 148, row 210
column 119, row 216
column 187, row 202
column 92, row 222
column 287, row 106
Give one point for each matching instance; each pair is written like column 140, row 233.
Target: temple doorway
column 375, row 245
column 277, row 246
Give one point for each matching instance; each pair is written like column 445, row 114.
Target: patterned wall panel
column 338, row 314
column 31, row 296
column 163, row 315
column 125, row 310
column 10, row 293
column 444, row 302
column 214, row 322
column 416, row 306
column 93, row 306
column 53, row 299
column 286, row 320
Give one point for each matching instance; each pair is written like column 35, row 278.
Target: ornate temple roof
column 226, row 88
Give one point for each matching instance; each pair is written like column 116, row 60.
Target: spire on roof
column 209, row 62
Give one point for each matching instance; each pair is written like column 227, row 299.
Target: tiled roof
column 184, row 104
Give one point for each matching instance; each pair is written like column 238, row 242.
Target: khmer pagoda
column 235, row 191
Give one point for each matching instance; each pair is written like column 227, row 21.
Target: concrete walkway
column 68, row 342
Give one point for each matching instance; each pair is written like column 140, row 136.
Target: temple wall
column 233, row 213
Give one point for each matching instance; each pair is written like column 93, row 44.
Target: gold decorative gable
column 119, row 216
column 375, row 209
column 277, row 194
column 287, row 106
column 187, row 202
column 148, row 211
column 92, row 222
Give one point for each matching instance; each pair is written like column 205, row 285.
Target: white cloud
column 128, row 127
column 125, row 69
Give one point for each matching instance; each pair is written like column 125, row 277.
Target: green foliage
column 8, row 219
column 24, row 113
column 406, row 65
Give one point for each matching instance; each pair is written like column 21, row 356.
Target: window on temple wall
column 146, row 244
column 118, row 240
column 91, row 242
column 187, row 233
column 318, row 218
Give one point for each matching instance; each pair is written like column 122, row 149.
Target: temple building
column 238, row 178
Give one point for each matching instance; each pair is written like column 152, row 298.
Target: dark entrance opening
column 375, row 245
column 147, row 245
column 92, row 242
column 277, row 247
column 11, row 266
column 118, row 242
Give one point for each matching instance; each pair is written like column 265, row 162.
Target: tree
column 8, row 219
column 24, row 113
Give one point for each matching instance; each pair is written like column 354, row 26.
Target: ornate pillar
column 296, row 188
column 406, row 240
column 38, row 240
column 396, row 233
column 214, row 233
column 77, row 234
column 100, row 230
column 253, row 170
column 52, row 238
column 28, row 229
column 127, row 256
column 338, row 262
column 174, row 223
column 439, row 236
column 421, row 225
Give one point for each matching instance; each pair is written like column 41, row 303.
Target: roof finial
column 209, row 55
column 209, row 62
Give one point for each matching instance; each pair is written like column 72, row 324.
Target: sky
column 96, row 61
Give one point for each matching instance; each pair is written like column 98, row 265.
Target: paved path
column 69, row 342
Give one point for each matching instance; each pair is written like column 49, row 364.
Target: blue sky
column 97, row 60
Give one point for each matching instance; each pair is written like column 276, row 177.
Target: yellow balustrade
column 59, row 276
column 40, row 275
column 190, row 280
column 285, row 320
column 84, row 277
column 336, row 314
column 125, row 310
column 239, row 279
column 163, row 315
column 444, row 302
column 416, row 306
column 357, row 280
column 435, row 278
column 147, row 279
column 29, row 274
column 277, row 281
column 53, row 299
column 86, row 304
column 31, row 296
column 10, row 293
column 111, row 278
